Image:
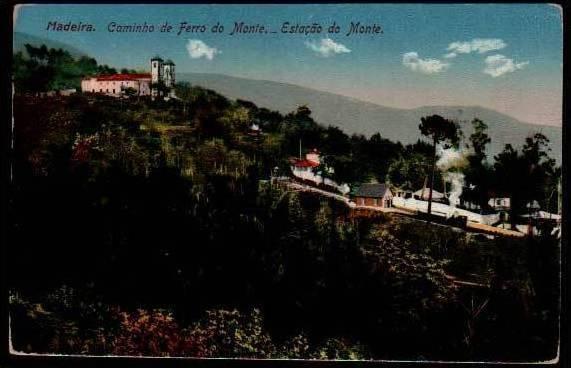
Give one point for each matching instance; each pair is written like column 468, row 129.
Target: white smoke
column 451, row 158
column 456, row 179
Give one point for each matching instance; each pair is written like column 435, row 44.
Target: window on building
column 113, row 90
column 107, row 90
column 93, row 90
column 101, row 90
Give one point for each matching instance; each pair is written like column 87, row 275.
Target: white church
column 159, row 83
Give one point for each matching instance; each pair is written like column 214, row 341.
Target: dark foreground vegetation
column 145, row 227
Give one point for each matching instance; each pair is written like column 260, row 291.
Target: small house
column 424, row 193
column 374, row 195
column 303, row 168
column 402, row 193
column 306, row 171
column 254, row 132
column 499, row 203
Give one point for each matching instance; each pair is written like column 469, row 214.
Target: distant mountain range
column 349, row 114
column 356, row 116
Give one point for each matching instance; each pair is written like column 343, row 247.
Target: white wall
column 445, row 210
column 306, row 173
column 142, row 86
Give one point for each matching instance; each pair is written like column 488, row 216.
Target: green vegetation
column 152, row 229
column 439, row 130
column 40, row 69
column 533, row 170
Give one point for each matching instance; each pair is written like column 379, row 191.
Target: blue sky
column 506, row 57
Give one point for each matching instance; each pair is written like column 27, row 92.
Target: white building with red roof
column 160, row 82
column 116, row 84
column 305, row 169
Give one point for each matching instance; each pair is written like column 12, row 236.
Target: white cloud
column 197, row 49
column 479, row 45
column 497, row 65
column 426, row 66
column 327, row 47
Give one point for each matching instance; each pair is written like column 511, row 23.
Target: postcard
column 365, row 182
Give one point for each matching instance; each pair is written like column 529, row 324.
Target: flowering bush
column 82, row 147
column 62, row 324
column 155, row 333
column 228, row 333
column 340, row 349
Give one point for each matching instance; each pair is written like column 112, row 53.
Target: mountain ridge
column 355, row 99
column 352, row 115
column 355, row 116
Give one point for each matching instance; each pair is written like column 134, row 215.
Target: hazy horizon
column 504, row 57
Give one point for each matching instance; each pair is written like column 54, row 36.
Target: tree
column 184, row 92
column 541, row 169
column 34, row 73
column 40, row 69
column 300, row 126
column 129, row 91
column 324, row 224
column 408, row 171
column 479, row 138
column 206, row 109
column 88, row 65
column 335, row 140
column 526, row 176
column 379, row 153
column 339, row 168
column 106, row 69
column 478, row 172
column 440, row 130
column 128, row 71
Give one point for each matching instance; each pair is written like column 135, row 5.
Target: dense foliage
column 152, row 229
column 40, row 69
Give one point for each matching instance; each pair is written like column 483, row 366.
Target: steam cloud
column 451, row 158
column 457, row 180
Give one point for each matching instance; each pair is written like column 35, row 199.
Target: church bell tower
column 156, row 75
column 169, row 78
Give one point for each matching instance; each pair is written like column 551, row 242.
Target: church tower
column 169, row 77
column 156, row 75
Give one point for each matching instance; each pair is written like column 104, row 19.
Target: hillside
column 355, row 116
column 212, row 254
column 20, row 39
column 351, row 115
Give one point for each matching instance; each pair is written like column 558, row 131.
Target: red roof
column 305, row 163
column 123, row 77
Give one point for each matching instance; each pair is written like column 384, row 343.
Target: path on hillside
column 298, row 187
column 470, row 226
